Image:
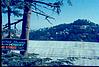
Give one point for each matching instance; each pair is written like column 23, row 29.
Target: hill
column 79, row 30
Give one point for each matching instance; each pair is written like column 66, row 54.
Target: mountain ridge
column 79, row 30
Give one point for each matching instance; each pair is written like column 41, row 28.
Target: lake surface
column 64, row 49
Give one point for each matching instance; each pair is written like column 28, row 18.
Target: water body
column 64, row 49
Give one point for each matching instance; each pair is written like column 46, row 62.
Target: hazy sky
column 81, row 9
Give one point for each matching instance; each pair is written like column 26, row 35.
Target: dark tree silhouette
column 0, row 25
column 11, row 7
column 32, row 6
column 29, row 6
column 9, row 14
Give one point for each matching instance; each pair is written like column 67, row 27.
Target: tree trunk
column 9, row 27
column 0, row 26
column 25, row 24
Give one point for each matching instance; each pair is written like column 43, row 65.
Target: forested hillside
column 79, row 30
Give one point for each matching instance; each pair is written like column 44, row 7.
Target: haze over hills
column 79, row 30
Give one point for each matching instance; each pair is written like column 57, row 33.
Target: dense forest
column 79, row 30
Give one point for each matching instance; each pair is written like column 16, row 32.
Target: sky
column 80, row 9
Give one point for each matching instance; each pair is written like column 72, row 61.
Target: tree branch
column 43, row 14
column 6, row 25
column 48, row 4
column 48, row 20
